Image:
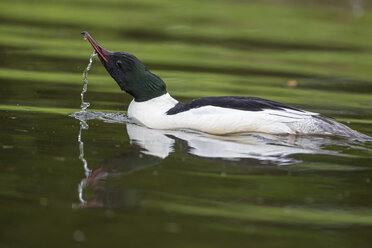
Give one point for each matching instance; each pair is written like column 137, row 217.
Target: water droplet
column 172, row 228
column 21, row 130
column 251, row 228
column 109, row 213
column 340, row 197
column 357, row 8
column 79, row 236
column 44, row 201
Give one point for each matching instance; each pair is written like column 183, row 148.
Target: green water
column 121, row 185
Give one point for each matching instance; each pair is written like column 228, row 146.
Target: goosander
column 153, row 107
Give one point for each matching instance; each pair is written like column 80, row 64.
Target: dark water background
column 121, row 185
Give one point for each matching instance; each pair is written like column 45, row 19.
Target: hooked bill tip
column 85, row 33
column 103, row 53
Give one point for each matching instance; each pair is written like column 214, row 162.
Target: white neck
column 151, row 111
column 164, row 102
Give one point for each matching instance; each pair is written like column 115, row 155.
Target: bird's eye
column 119, row 63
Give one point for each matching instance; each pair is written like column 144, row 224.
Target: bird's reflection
column 150, row 146
column 264, row 148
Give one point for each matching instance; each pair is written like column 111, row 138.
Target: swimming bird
column 153, row 107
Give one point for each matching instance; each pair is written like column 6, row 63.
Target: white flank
column 218, row 120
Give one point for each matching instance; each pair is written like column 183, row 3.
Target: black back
column 233, row 102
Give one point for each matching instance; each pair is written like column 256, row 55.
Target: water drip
column 85, row 105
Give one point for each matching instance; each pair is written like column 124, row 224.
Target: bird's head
column 129, row 72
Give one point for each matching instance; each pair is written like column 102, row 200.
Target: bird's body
column 217, row 115
column 153, row 107
column 156, row 113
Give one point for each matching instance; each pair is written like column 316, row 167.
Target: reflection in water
column 151, row 146
column 104, row 195
column 265, row 148
column 82, row 185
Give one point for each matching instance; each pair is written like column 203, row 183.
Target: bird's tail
column 335, row 128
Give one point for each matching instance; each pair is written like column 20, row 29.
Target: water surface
column 96, row 179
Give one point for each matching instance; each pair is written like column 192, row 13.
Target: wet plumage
column 153, row 107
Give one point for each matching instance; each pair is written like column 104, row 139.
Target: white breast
column 152, row 113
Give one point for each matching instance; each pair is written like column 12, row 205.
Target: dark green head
column 129, row 72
